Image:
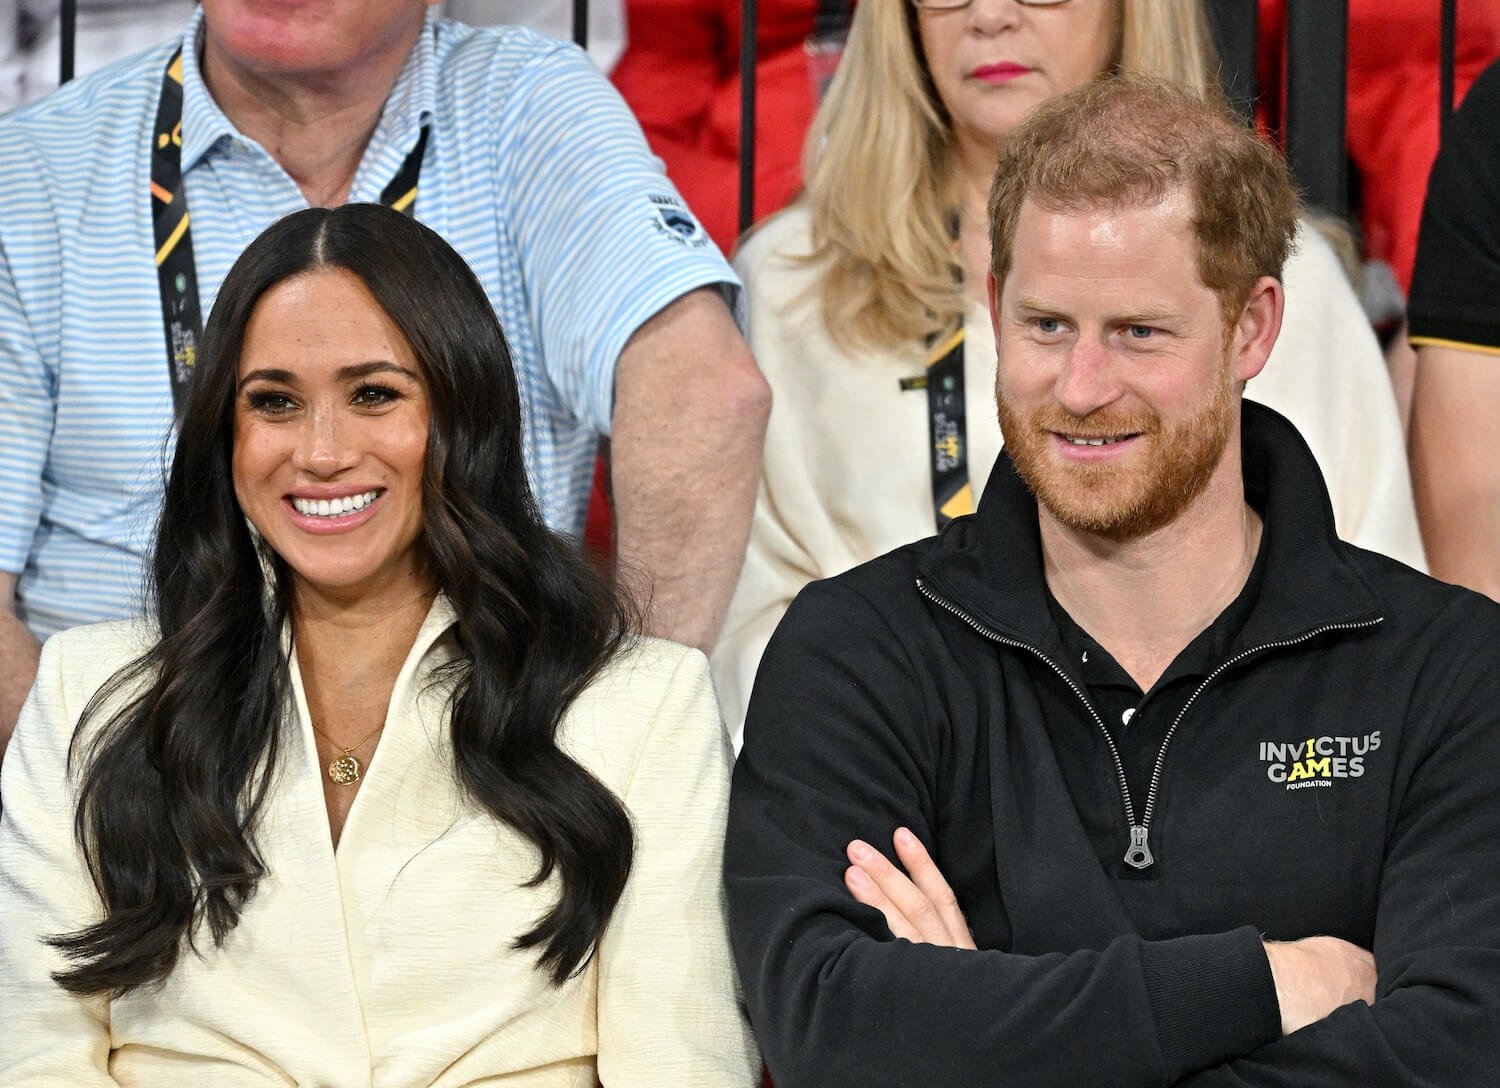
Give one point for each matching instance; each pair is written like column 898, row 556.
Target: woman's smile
column 331, row 428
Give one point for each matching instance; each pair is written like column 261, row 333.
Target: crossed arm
column 838, row 749
column 1313, row 976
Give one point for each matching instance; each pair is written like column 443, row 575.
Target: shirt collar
column 203, row 123
column 989, row 563
column 412, row 101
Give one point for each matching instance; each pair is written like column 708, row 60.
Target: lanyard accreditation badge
column 947, row 434
column 177, row 277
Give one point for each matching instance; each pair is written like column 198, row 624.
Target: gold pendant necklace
column 345, row 770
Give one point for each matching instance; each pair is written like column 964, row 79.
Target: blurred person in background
column 1391, row 120
column 1455, row 328
column 681, row 76
column 384, row 791
column 867, row 299
column 619, row 309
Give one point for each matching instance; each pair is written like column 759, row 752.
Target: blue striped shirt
column 535, row 172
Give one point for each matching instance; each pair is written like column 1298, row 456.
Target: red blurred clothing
column 1392, row 104
column 680, row 74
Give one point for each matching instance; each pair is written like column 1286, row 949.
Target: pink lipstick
column 1003, row 72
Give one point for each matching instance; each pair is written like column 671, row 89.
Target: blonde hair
column 878, row 164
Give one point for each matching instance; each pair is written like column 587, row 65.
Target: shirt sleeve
column 1457, row 278
column 839, row 741
column 50, row 1039
column 1436, row 1016
column 669, row 1010
column 27, row 410
column 605, row 240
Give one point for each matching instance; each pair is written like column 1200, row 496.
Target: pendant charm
column 344, row 770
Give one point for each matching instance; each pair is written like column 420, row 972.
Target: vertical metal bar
column 67, row 41
column 1317, row 39
column 581, row 23
column 1446, row 64
column 748, row 21
column 1236, row 28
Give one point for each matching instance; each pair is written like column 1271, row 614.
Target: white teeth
column 332, row 508
column 1092, row 441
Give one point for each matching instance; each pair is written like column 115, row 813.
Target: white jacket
column 388, row 963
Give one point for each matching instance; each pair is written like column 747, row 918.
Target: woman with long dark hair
column 384, row 794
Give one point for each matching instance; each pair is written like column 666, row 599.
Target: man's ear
column 1257, row 328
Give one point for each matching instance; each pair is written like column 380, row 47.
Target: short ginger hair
column 1130, row 141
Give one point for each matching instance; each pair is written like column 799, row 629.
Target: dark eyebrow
column 349, row 373
column 378, row 366
column 267, row 374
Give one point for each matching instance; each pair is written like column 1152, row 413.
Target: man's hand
column 919, row 907
column 19, row 652
column 1316, row 975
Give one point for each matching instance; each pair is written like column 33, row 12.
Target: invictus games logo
column 1317, row 761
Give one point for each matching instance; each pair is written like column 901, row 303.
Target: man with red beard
column 1180, row 788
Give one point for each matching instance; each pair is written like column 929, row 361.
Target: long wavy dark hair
column 173, row 783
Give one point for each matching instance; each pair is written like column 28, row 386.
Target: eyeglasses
column 954, row 5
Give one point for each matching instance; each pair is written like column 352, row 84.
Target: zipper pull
column 1139, row 854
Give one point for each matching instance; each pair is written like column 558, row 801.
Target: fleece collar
column 989, row 564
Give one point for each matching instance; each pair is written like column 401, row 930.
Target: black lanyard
column 947, row 434
column 176, row 272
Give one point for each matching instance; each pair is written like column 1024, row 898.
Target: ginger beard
column 1121, row 502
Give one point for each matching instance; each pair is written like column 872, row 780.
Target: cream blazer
column 846, row 477
column 388, row 962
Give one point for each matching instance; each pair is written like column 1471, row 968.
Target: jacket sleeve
column 48, row 1037
column 1436, row 1017
column 843, row 742
column 669, row 1009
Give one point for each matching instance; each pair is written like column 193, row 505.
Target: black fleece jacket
column 1337, row 771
